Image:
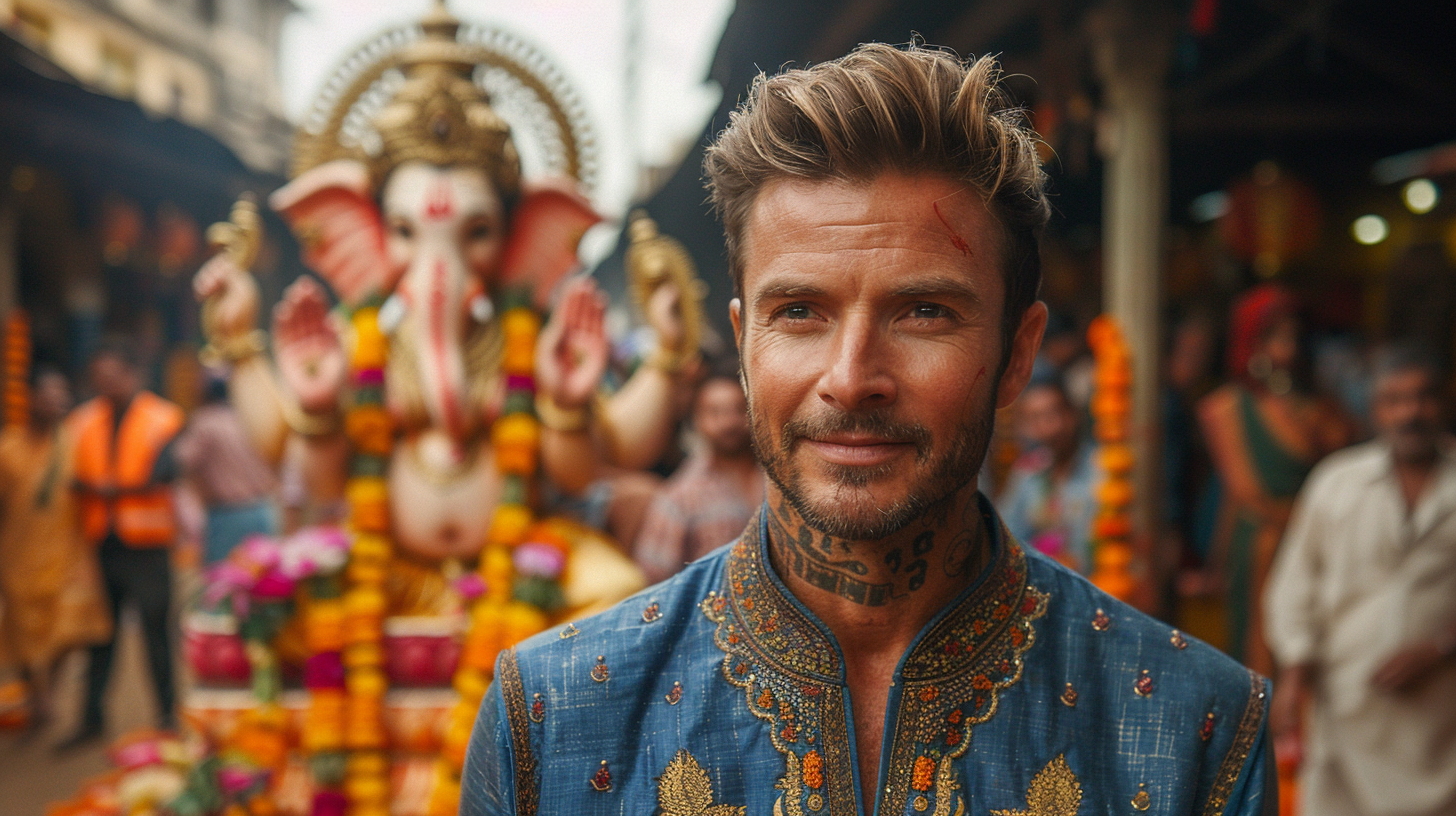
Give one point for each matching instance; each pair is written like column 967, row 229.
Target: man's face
column 52, row 398
column 112, row 378
column 721, row 416
column 1407, row 413
column 870, row 334
column 1047, row 420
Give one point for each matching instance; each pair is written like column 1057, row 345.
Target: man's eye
column 928, row 311
column 796, row 312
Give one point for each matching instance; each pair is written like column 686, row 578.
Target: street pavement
column 32, row 775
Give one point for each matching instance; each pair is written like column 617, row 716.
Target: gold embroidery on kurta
column 1054, row 791
column 684, row 789
column 1238, row 753
column 527, row 793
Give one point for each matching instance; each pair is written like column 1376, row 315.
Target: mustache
column 871, row 423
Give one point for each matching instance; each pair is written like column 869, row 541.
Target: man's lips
column 857, row 451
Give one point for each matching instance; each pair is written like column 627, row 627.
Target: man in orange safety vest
column 123, row 473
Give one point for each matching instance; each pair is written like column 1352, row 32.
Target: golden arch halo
column 549, row 122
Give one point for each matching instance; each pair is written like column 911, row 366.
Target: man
column 235, row 484
column 123, row 473
column 1048, row 501
column 50, row 587
column 874, row 642
column 714, row 493
column 1362, row 611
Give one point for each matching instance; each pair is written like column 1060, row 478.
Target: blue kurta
column 717, row 692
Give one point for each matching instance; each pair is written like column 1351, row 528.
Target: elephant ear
column 548, row 224
column 331, row 209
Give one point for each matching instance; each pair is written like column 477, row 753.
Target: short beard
column 953, row 470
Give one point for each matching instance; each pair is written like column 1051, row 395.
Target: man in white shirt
column 1361, row 612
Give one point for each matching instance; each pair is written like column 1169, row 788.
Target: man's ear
column 1024, row 346
column 735, row 316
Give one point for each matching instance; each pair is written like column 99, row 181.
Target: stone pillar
column 1132, row 42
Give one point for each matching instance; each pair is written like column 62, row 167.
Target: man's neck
column 1414, row 475
column 875, row 596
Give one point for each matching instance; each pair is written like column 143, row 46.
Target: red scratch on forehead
column 955, row 238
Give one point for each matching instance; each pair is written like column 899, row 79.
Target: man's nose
column 859, row 374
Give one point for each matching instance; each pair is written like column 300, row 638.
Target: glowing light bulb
column 1421, row 196
column 1370, row 229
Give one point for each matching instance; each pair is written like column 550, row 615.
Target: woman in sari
column 1264, row 433
column 50, row 583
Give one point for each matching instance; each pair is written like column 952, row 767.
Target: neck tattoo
column 833, row 565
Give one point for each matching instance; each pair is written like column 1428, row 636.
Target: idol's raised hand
column 306, row 347
column 571, row 354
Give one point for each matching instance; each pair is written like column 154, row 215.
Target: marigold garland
column 1111, row 412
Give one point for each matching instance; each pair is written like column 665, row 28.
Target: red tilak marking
column 955, row 238
column 437, row 341
column 441, row 202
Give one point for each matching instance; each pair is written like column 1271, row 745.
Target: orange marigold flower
column 923, row 773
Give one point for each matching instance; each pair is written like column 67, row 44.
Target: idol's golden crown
column 440, row 116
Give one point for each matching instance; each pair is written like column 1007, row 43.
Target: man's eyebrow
column 787, row 289
column 940, row 287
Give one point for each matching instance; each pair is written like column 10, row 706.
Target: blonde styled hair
column 881, row 108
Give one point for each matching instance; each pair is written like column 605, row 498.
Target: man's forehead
column 940, row 220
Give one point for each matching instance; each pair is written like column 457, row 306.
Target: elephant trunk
column 436, row 291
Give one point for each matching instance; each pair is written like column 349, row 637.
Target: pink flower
column 539, row 560
column 470, row 586
column 324, row 670
column 234, row 780
column 273, row 585
column 329, row 803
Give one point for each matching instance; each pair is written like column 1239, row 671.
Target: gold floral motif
column 1054, row 791
column 1244, row 738
column 684, row 789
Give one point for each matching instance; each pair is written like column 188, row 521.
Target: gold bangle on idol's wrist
column 225, row 351
column 305, row 424
column 563, row 420
column 669, row 361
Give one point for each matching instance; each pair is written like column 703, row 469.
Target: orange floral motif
column 954, row 717
column 923, row 773
column 981, row 682
column 813, row 768
column 929, row 693
column 766, row 700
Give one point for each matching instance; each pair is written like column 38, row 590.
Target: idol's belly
column 441, row 503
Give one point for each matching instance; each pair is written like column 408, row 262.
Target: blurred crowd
column 1308, row 514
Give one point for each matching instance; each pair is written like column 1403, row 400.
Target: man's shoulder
column 633, row 635
column 1127, row 653
column 1360, row 462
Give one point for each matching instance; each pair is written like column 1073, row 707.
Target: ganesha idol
column 425, row 419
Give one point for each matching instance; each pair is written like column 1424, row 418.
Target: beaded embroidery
column 1244, row 738
column 792, row 679
column 684, row 789
column 527, row 791
column 1054, row 791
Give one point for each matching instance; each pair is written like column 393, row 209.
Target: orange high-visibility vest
column 143, row 518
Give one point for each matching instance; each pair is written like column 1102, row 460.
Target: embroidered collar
column 785, row 635
column 792, row 674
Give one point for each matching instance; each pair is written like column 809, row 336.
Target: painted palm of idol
column 423, row 411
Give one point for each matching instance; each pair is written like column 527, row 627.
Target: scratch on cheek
column 955, row 238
